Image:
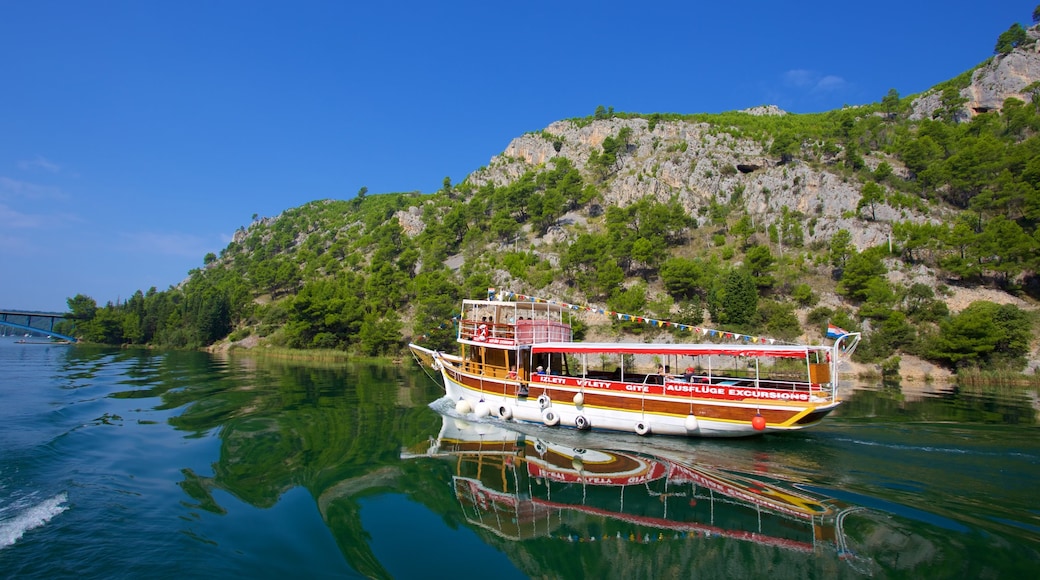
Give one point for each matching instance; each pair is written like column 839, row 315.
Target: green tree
column 743, row 229
column 872, row 195
column 1010, row 39
column 682, row 278
column 890, row 103
column 81, row 307
column 841, row 248
column 860, row 269
column 777, row 319
column 804, row 295
column 609, row 276
column 105, row 328
column 630, row 301
column 883, row 172
column 918, row 154
column 951, row 103
column 739, row 300
column 983, row 334
column 785, row 146
column 760, row 262
column 380, row 335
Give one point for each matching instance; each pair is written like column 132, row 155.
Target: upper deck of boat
column 512, row 324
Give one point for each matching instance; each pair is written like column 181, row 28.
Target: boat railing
column 523, row 332
column 484, row 331
column 539, row 331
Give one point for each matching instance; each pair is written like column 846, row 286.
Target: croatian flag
column 835, row 332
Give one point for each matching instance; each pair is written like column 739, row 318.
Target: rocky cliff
column 1012, row 75
column 698, row 163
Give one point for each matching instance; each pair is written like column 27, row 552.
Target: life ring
column 505, row 412
column 544, row 400
column 642, row 428
column 581, row 422
column 550, row 417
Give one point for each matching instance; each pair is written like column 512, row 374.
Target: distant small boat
column 518, row 361
column 59, row 342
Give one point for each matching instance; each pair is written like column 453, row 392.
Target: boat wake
column 21, row 516
column 935, row 448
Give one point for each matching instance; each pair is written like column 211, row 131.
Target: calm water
column 131, row 463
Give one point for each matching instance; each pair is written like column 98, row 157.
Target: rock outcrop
column 697, row 164
column 996, row 80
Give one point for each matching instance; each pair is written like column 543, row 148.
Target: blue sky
column 137, row 136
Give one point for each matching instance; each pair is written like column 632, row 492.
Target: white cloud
column 39, row 163
column 799, row 78
column 50, row 223
column 11, row 218
column 813, row 82
column 830, row 83
column 16, row 188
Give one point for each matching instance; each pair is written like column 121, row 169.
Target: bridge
column 33, row 321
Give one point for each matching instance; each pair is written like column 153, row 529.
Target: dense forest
column 369, row 274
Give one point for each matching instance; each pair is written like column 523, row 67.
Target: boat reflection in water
column 520, row 486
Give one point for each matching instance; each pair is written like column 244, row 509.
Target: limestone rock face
column 697, row 164
column 1002, row 77
column 411, row 221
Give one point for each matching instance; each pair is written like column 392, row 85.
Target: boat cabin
column 497, row 336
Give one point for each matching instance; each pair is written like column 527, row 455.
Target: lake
column 133, row 463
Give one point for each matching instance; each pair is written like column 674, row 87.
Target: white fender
column 463, row 407
column 505, row 412
column 579, row 398
column 550, row 417
column 581, row 422
column 642, row 428
column 544, row 400
column 482, row 409
column 691, row 423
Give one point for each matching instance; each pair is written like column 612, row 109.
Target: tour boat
column 518, row 361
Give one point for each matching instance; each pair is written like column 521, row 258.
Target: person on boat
column 688, row 374
column 512, row 373
column 482, row 330
column 662, row 374
column 539, row 371
column 691, row 375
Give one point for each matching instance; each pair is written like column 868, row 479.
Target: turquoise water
column 117, row 463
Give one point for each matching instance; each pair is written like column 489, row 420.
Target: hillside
column 888, row 218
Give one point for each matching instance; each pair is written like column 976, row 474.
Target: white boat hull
column 567, row 409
